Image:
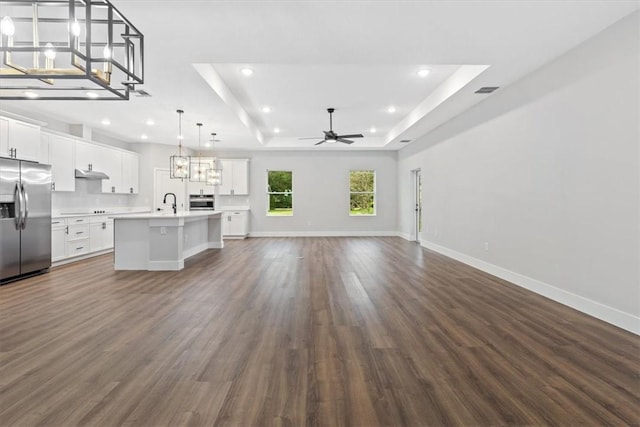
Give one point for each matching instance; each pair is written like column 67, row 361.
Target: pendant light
column 199, row 166
column 214, row 175
column 179, row 164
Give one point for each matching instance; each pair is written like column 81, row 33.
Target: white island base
column 161, row 241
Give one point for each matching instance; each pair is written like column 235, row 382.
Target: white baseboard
column 80, row 257
column 195, row 250
column 600, row 311
column 165, row 265
column 323, row 234
column 405, row 236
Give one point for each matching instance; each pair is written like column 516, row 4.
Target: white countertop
column 70, row 213
column 167, row 215
column 233, row 208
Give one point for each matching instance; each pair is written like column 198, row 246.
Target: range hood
column 90, row 174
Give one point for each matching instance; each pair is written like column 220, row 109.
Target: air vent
column 487, row 89
column 141, row 93
column 404, row 141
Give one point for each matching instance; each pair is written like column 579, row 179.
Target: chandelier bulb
column 106, row 52
column 50, row 53
column 7, row 27
column 75, row 28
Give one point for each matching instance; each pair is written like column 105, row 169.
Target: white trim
column 162, row 266
column 405, row 236
column 600, row 311
column 63, row 261
column 215, row 245
column 323, row 234
column 195, row 250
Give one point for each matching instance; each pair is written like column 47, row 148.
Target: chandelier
column 68, row 49
column 179, row 164
column 214, row 174
column 199, row 165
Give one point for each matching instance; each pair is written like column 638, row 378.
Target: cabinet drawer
column 78, row 247
column 77, row 220
column 58, row 222
column 78, row 232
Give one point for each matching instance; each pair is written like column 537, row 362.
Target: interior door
column 163, row 184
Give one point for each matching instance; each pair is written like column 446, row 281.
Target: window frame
column 269, row 193
column 373, row 193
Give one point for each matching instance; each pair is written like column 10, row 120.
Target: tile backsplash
column 88, row 196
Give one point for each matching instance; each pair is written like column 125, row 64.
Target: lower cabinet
column 235, row 224
column 77, row 236
column 101, row 234
column 58, row 239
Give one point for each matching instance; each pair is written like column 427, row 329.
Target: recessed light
column 144, row 136
column 266, row 109
column 106, row 122
column 150, row 122
column 373, row 130
column 31, row 95
column 180, row 137
column 207, row 144
column 391, row 109
column 276, row 130
column 424, row 72
column 92, row 95
column 246, row 71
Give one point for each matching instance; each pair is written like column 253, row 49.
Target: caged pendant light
column 214, row 174
column 199, row 165
column 68, row 50
column 179, row 164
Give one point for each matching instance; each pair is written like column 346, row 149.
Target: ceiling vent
column 141, row 93
column 487, row 89
column 404, row 141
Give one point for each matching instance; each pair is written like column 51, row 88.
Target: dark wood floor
column 306, row 331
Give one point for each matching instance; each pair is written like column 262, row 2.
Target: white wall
column 546, row 172
column 320, row 192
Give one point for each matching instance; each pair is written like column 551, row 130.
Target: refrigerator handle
column 17, row 197
column 25, row 198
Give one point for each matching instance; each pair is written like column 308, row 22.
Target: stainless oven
column 201, row 202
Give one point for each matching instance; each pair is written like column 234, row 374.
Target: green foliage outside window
column 279, row 190
column 362, row 187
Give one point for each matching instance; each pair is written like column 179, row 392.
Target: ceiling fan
column 331, row 136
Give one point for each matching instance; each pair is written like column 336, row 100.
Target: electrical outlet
column 486, row 246
column 163, row 230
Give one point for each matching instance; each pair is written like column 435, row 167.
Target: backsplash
column 88, row 196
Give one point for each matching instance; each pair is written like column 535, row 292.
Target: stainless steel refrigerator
column 25, row 218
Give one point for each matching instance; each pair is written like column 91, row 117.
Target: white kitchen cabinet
column 87, row 155
column 130, row 173
column 100, row 234
column 111, row 164
column 61, row 159
column 108, row 160
column 235, row 177
column 235, row 224
column 58, row 239
column 19, row 140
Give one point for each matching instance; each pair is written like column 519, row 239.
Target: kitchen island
column 162, row 241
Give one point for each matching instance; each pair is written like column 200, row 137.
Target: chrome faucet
column 175, row 201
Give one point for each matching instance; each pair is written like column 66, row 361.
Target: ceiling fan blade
column 355, row 135
column 310, row 137
column 346, row 141
column 321, row 142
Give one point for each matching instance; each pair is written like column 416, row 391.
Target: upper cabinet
column 60, row 154
column 122, row 167
column 19, row 140
column 235, row 177
column 130, row 172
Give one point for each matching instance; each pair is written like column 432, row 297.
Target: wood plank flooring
column 306, row 331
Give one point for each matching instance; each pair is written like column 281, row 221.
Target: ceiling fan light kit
column 68, row 50
column 331, row 136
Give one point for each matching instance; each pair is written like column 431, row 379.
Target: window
column 279, row 191
column 362, row 192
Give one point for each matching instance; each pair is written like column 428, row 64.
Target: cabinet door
column 108, row 235
column 240, row 178
column 227, row 177
column 4, row 137
column 58, row 243
column 96, row 239
column 62, row 164
column 236, row 225
column 85, row 154
column 44, row 149
column 130, row 170
column 25, row 138
column 110, row 163
column 226, row 224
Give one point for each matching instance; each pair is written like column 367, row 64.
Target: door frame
column 416, row 206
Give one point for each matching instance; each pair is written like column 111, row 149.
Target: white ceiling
column 356, row 56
